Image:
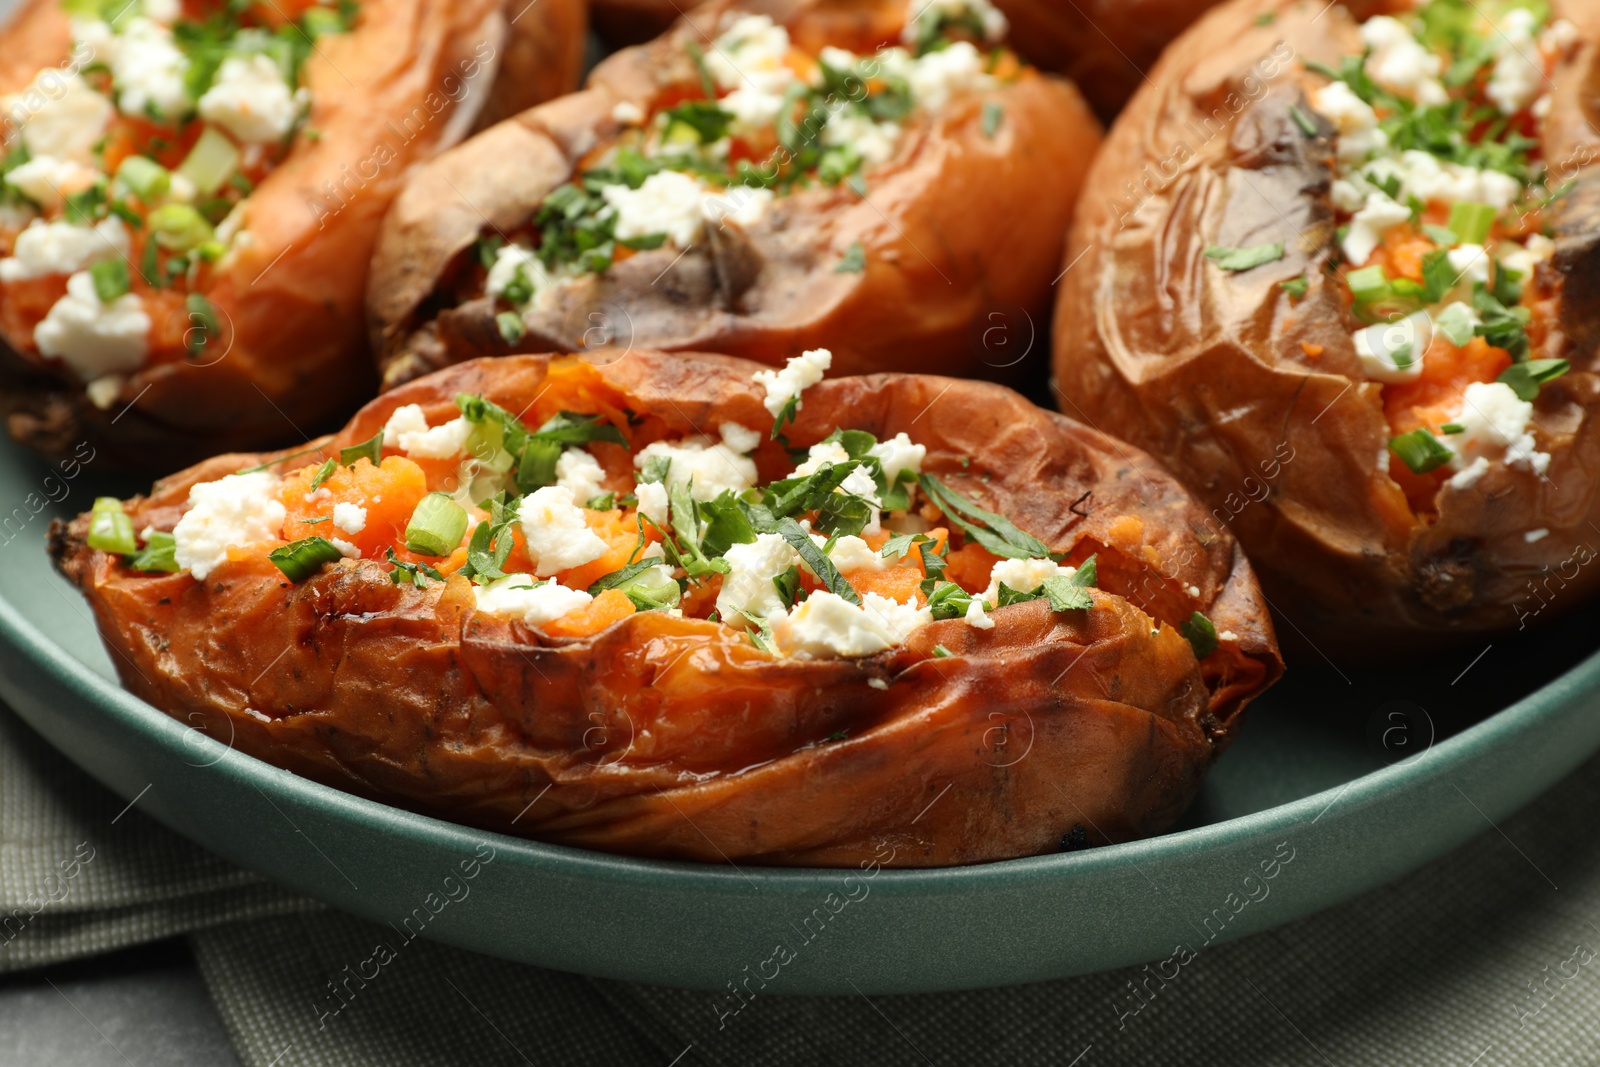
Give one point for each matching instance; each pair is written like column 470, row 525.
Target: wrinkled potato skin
column 1104, row 46
column 296, row 357
column 962, row 232
column 1045, row 722
column 1206, row 369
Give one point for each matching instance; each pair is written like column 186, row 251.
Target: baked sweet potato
column 213, row 176
column 906, row 212
column 1351, row 303
column 624, row 718
column 1105, row 46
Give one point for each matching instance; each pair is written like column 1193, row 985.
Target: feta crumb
column 653, row 503
column 878, row 683
column 747, row 588
column 983, row 12
column 1495, row 426
column 48, row 180
column 708, row 469
column 1525, row 259
column 898, row 454
column 1470, row 262
column 797, row 375
column 754, row 109
column 753, row 51
column 859, row 483
column 822, row 454
column 407, row 430
column 149, row 69
column 1534, row 536
column 1518, row 77
column 1400, row 63
column 1380, row 215
column 510, row 261
column 939, row 76
column 580, row 474
column 738, row 204
column 1227, row 635
column 103, row 391
column 1023, row 575
column 627, row 113
column 977, row 615
column 826, row 626
column 68, row 120
column 1357, row 123
column 251, row 100
column 46, row 248
column 668, row 202
column 851, row 554
column 517, row 596
column 557, row 533
column 351, row 518
column 1193, row 590
column 873, row 141
column 741, row 439
column 93, row 338
column 1393, row 352
column 346, row 548
column 239, row 509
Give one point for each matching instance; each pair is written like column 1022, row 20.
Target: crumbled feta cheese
column 898, row 454
column 1227, row 635
column 1357, row 123
column 1393, row 352
column 851, row 554
column 982, row 12
column 747, row 588
column 873, row 141
column 741, row 439
column 346, row 548
column 938, row 76
column 1534, row 536
column 977, row 616
column 754, row 110
column 1023, row 575
column 557, row 534
column 668, row 202
column 752, row 52
column 627, row 113
column 93, row 41
column 1470, row 263
column 48, row 180
column 46, row 248
column 653, row 502
column 1525, row 259
column 821, row 454
column 1399, row 62
column 859, row 483
column 351, row 518
column 797, row 375
column 60, row 116
column 251, row 100
column 580, row 474
column 1495, row 426
column 707, row 468
column 1380, row 215
column 407, row 430
column 239, row 509
column 517, row 596
column 738, row 204
column 91, row 337
column 1422, row 175
column 826, row 626
column 103, row 391
column 1349, row 194
column 510, row 261
column 1518, row 77
column 148, row 71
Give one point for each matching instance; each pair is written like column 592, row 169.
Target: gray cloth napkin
column 1485, row 957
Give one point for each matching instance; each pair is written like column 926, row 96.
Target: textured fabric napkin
column 1485, row 957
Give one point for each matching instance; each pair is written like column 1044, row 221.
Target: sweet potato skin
column 675, row 737
column 385, row 97
column 1214, row 374
column 960, row 227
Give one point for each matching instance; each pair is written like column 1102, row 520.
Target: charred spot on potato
column 1075, row 839
column 1448, row 582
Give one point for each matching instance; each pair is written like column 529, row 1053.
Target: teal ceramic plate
column 1311, row 806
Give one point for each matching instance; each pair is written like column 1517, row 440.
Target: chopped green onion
column 511, row 327
column 940, row 652
column 210, row 161
column 993, row 114
column 1420, row 451
column 1201, row 633
column 110, row 528
column 179, row 227
column 203, row 324
column 158, row 554
column 324, row 472
column 145, row 178
column 1457, row 323
column 371, row 449
column 854, row 260
column 1452, row 428
column 436, row 526
column 1471, row 221
column 110, row 277
column 1307, row 124
column 1241, row 259
column 1296, row 287
column 1368, row 285
column 299, row 560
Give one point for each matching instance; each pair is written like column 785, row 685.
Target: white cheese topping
column 977, row 615
column 709, row 469
column 873, row 141
column 407, row 430
column 148, row 70
column 1393, row 352
column 93, row 338
column 1518, row 77
column 517, row 596
column 251, row 100
column 826, row 626
column 898, row 454
column 48, row 180
column 511, row 260
column 1495, row 426
column 668, row 202
column 797, row 375
column 751, row 53
column 47, row 248
column 821, row 454
column 240, row 509
column 851, row 554
column 1357, row 123
column 985, row 14
column 557, row 535
column 741, row 439
column 60, row 116
column 653, row 503
column 747, row 588
column 351, row 518
column 1023, row 575
column 1380, row 215
column 580, row 474
column 1400, row 63
column 939, row 76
